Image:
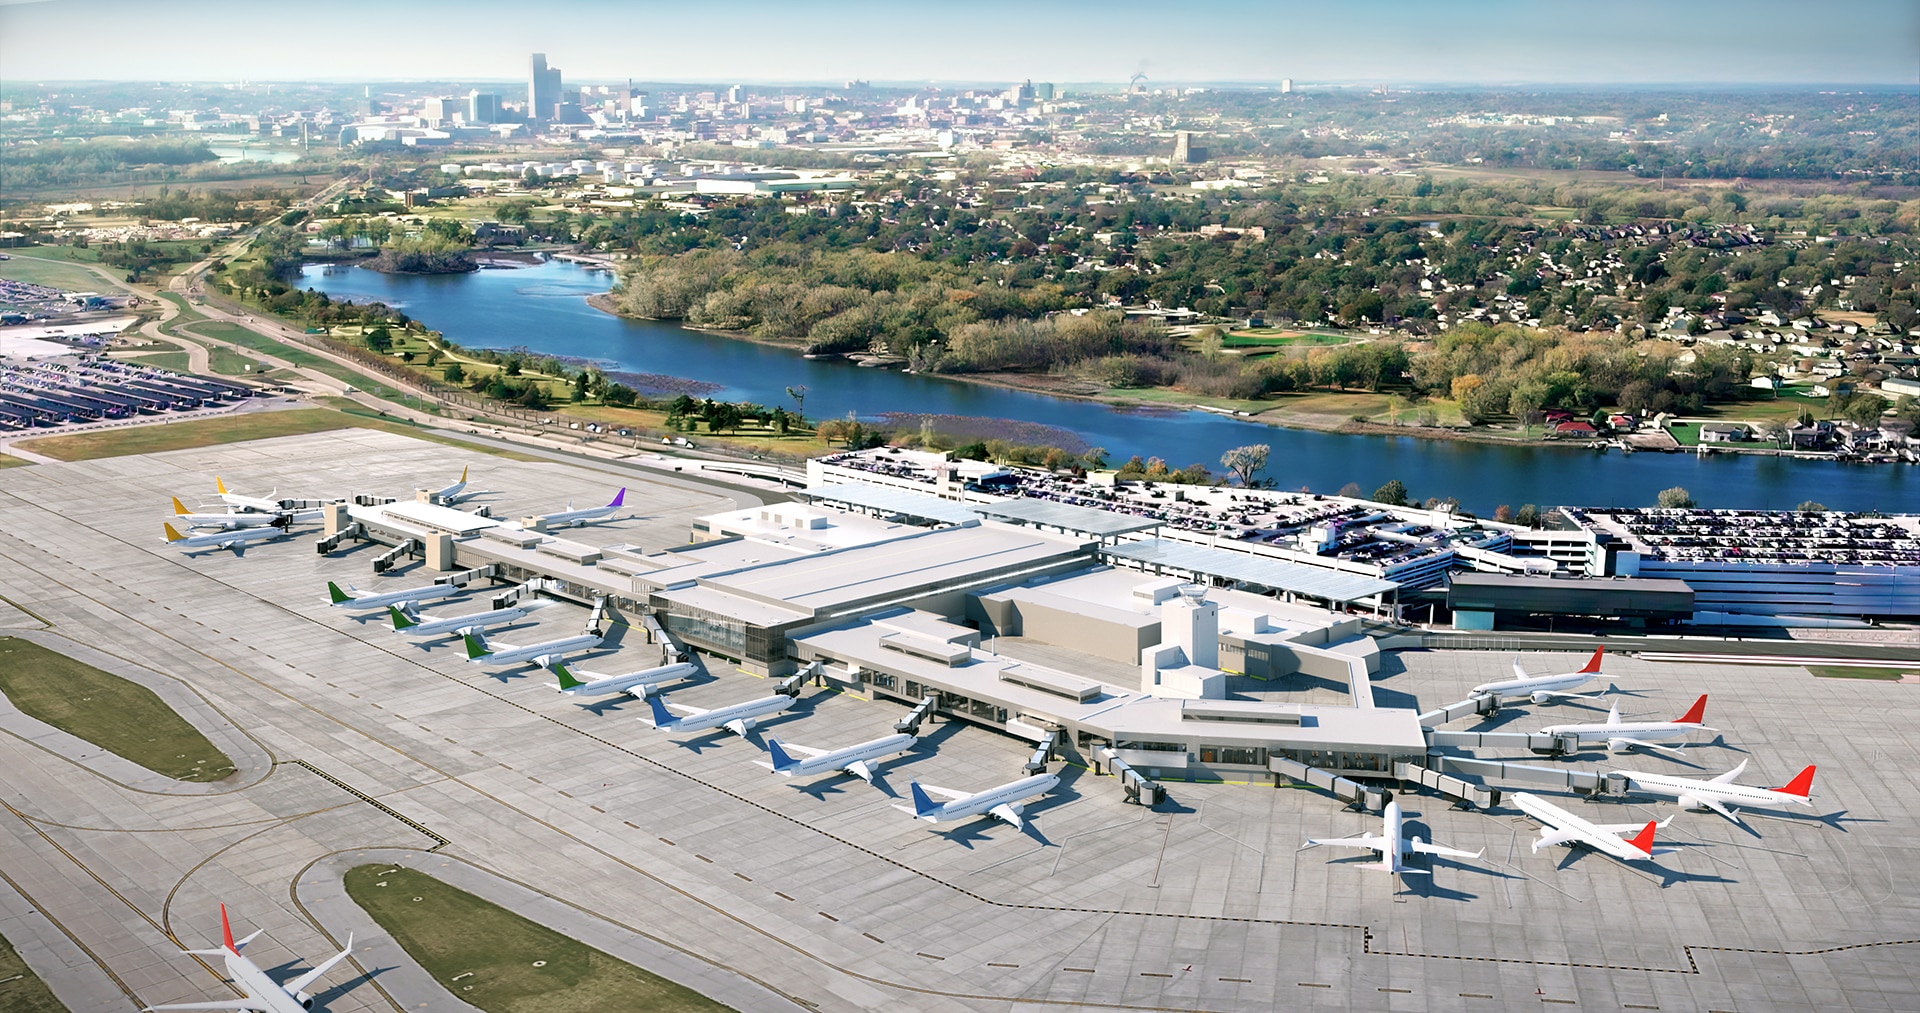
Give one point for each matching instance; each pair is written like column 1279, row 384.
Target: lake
column 544, row 308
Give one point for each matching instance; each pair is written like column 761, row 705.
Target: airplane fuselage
column 517, row 655
column 650, row 677
column 446, row 625
column 982, row 802
column 1535, row 684
column 431, row 592
column 720, row 716
column 1743, row 796
column 261, row 988
column 1580, row 831
column 840, row 759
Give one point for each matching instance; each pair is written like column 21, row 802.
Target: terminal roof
column 1240, row 567
column 894, row 501
column 1066, row 517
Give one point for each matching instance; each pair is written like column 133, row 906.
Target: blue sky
column 1369, row 41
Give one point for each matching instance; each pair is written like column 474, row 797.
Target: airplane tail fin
column 179, row 508
column 173, row 535
column 400, row 620
column 1697, row 714
column 781, row 761
column 476, row 645
column 1643, row 841
column 338, row 596
column 1801, row 785
column 219, row 485
column 1593, row 663
column 226, row 931
column 662, row 718
column 619, row 497
column 567, row 680
column 923, row 806
column 463, row 474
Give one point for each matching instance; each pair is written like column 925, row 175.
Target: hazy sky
column 1426, row 41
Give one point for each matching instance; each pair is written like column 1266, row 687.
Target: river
column 544, row 308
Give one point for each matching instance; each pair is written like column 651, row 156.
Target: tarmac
column 678, row 853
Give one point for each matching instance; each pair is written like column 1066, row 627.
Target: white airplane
column 851, row 759
column 542, row 654
column 451, row 494
column 1621, row 736
column 264, row 504
column 578, row 518
column 635, row 684
column 359, row 599
column 237, row 540
column 737, row 718
column 263, row 993
column 228, row 521
column 1542, row 688
column 414, row 624
column 1563, row 827
column 1393, row 848
column 1002, row 803
column 1720, row 794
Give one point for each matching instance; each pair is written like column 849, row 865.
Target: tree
column 1908, row 408
column 580, row 381
column 1812, row 507
column 1865, row 409
column 1675, row 498
column 1503, row 513
column 798, row 393
column 1528, row 515
column 1246, row 462
column 1095, row 458
column 1394, row 493
column 723, row 416
column 1351, row 490
column 455, row 373
column 1775, row 430
column 619, row 395
column 380, row 340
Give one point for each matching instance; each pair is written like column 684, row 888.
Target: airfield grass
column 121, row 717
column 176, row 361
column 22, row 991
column 154, row 439
column 53, row 272
column 9, row 461
column 500, row 962
column 1849, row 672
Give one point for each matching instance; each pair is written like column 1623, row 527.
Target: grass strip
column 500, row 962
column 22, row 991
column 121, row 717
column 1850, row 672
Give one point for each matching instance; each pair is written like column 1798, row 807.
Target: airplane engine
column 749, row 724
column 1621, row 745
column 1689, row 802
column 1019, row 808
column 304, row 999
column 1542, row 696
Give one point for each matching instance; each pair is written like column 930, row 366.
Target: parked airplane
column 451, row 494
column 263, row 993
column 265, row 504
column 1621, row 736
column 229, row 521
column 851, row 759
column 737, row 718
column 542, row 654
column 237, row 540
column 636, row 684
column 1720, row 794
column 1542, row 688
column 1393, row 848
column 578, row 518
column 413, row 624
column 1003, row 802
column 362, row 600
column 1563, row 827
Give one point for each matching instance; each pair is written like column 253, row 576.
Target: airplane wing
column 1557, row 836
column 250, row 1004
column 1434, row 849
column 946, row 793
column 1730, row 775
column 791, row 749
column 859, row 769
column 691, row 711
column 1629, row 828
column 1373, row 841
column 1004, row 812
column 1719, row 808
column 737, row 726
column 1643, row 744
column 300, row 984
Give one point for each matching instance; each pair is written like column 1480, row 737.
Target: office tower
column 437, row 112
column 1286, row 86
column 543, row 90
column 482, row 107
column 1185, row 152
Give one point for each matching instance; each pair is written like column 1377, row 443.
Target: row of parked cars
column 41, row 393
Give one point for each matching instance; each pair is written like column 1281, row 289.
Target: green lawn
column 1850, row 672
column 121, row 717
column 22, row 991
column 1268, row 337
column 245, row 338
column 38, row 269
column 1687, row 434
column 153, row 439
column 187, row 314
column 176, row 361
column 500, row 962
column 9, row 461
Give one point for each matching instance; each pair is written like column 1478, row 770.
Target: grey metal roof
column 1077, row 519
column 1313, row 581
column 893, row 501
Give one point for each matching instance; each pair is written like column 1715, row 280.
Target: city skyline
column 1497, row 42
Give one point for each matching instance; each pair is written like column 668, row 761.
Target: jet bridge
column 407, row 547
column 1139, row 789
column 1359, row 794
column 1585, row 782
column 910, row 725
column 1546, row 745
